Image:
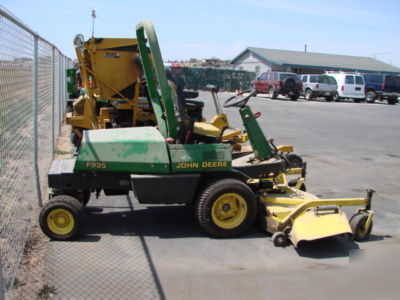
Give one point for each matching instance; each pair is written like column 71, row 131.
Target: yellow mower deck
column 290, row 213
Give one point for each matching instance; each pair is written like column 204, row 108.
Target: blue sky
column 224, row 28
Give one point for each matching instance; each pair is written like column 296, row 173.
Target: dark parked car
column 279, row 83
column 382, row 87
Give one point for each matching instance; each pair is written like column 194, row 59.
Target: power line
column 387, row 52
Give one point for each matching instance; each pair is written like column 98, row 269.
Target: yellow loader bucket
column 315, row 224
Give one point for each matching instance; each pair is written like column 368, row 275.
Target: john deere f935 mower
column 174, row 164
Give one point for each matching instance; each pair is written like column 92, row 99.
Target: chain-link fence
column 32, row 101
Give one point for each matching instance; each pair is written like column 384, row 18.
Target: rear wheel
column 271, row 93
column 370, row 96
column 62, row 218
column 295, row 160
column 226, row 208
column 308, row 95
column 392, row 101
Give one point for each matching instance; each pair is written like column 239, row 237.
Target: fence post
column 64, row 85
column 2, row 290
column 59, row 93
column 63, row 88
column 53, row 95
column 35, row 117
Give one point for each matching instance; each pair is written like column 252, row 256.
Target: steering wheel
column 240, row 102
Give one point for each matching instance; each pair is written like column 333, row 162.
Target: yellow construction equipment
column 112, row 78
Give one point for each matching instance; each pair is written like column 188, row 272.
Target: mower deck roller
column 172, row 164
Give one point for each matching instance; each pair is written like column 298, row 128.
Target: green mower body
column 144, row 150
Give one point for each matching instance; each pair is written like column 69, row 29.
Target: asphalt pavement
column 133, row 251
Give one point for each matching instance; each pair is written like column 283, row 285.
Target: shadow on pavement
column 374, row 237
column 165, row 222
column 337, row 246
column 171, row 222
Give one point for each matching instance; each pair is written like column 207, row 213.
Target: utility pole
column 94, row 17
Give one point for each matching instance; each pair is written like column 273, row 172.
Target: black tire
column 75, row 139
column 294, row 97
column 271, row 93
column 392, row 101
column 357, row 100
column 62, row 218
column 215, row 211
column 293, row 183
column 370, row 97
column 328, row 98
column 69, row 107
column 295, row 160
column 357, row 224
column 308, row 95
column 336, row 98
column 279, row 239
column 83, row 196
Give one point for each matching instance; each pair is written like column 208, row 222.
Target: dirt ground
column 29, row 282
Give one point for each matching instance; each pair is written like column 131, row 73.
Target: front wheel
column 336, row 98
column 62, row 218
column 308, row 95
column 226, row 208
column 358, row 226
column 279, row 239
column 83, row 196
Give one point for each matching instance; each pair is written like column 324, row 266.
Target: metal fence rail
column 32, row 102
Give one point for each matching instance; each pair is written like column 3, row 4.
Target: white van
column 350, row 85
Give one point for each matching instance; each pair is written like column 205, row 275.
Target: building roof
column 300, row 59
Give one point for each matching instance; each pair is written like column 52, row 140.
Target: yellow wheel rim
column 60, row 221
column 229, row 211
